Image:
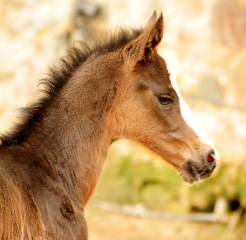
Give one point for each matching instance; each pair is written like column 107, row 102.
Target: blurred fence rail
column 140, row 211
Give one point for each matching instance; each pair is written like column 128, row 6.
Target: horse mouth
column 192, row 172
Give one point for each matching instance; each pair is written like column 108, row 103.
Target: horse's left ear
column 140, row 49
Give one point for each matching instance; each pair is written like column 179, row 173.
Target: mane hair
column 58, row 75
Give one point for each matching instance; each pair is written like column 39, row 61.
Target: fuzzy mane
column 59, row 75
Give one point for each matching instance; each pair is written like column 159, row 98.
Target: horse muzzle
column 193, row 171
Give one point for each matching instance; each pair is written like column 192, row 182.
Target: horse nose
column 211, row 160
column 210, row 163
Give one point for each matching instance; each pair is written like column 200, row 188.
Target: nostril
column 210, row 159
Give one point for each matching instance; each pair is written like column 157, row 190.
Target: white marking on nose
column 189, row 116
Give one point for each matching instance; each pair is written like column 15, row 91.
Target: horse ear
column 140, row 49
column 153, row 17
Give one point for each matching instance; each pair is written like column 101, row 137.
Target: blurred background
column 205, row 42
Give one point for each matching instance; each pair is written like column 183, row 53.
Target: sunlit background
column 205, row 42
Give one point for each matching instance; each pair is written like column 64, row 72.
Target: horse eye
column 165, row 100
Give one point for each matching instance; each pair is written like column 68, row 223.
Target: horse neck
column 74, row 136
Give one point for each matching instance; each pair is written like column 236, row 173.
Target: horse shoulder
column 19, row 215
column 35, row 207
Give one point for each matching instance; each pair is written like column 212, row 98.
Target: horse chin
column 189, row 179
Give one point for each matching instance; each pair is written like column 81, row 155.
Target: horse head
column 154, row 111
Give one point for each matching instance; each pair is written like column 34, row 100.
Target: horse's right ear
column 141, row 48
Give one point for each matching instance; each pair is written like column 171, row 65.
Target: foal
column 118, row 88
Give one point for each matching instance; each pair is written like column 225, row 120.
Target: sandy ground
column 105, row 225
